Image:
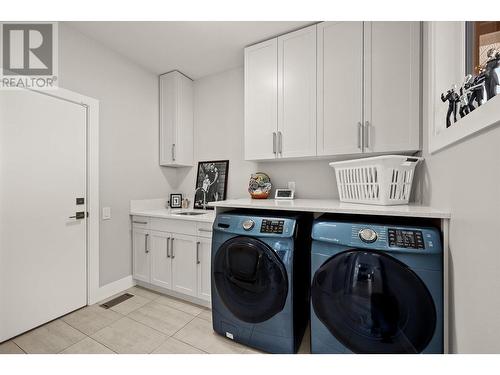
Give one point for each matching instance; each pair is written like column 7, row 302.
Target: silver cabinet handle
column 280, row 142
column 168, row 247
column 198, row 252
column 205, row 230
column 274, row 142
column 146, row 243
column 172, row 248
column 139, row 222
column 367, row 134
column 173, row 151
column 360, row 135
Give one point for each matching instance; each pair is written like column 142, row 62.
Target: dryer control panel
column 409, row 239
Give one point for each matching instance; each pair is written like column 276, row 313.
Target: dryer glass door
column 250, row 279
column 373, row 303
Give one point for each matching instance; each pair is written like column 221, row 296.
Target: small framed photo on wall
column 175, row 200
column 211, row 182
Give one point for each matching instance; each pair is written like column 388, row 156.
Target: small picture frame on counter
column 175, row 201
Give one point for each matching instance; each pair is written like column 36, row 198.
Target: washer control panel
column 272, row 226
column 410, row 239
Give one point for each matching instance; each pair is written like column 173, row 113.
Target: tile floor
column 146, row 323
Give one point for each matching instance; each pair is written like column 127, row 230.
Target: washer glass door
column 250, row 279
column 373, row 303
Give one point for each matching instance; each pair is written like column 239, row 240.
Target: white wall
column 128, row 120
column 465, row 178
column 218, row 128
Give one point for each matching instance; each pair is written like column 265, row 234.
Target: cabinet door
column 168, row 115
column 204, row 251
column 261, row 100
column 141, row 259
column 161, row 262
column 184, row 134
column 297, row 93
column 392, row 86
column 184, row 267
column 176, row 120
column 340, row 88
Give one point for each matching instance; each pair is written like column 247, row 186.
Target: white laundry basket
column 381, row 180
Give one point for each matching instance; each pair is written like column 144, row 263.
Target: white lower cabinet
column 173, row 261
column 141, row 259
column 183, row 254
column 161, row 263
column 203, row 253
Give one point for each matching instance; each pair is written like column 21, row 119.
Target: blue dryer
column 260, row 279
column 376, row 288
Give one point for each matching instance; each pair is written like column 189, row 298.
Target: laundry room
column 298, row 187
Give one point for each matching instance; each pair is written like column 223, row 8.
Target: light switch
column 106, row 213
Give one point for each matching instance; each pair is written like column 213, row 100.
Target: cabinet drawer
column 140, row 222
column 204, row 229
column 174, row 226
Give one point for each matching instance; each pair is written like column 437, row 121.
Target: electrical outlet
column 106, row 213
column 291, row 185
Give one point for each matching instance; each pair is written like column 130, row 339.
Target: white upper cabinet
column 261, row 100
column 335, row 88
column 297, row 93
column 392, row 86
column 340, row 88
column 176, row 120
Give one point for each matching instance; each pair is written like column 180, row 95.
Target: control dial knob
column 248, row 224
column 368, row 235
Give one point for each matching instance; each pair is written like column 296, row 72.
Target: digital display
column 410, row 239
column 284, row 193
column 272, row 226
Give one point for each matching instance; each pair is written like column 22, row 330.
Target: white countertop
column 157, row 208
column 333, row 206
column 208, row 215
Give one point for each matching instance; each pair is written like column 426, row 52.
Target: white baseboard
column 113, row 288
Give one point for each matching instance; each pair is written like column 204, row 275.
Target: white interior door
column 43, row 261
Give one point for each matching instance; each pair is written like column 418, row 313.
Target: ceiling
column 197, row 49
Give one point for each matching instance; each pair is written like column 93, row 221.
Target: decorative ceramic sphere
column 259, row 186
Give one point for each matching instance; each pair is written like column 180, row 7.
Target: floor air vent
column 117, row 300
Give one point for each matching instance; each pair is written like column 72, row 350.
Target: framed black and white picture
column 175, row 200
column 211, row 182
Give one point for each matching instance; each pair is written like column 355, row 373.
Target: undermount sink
column 190, row 213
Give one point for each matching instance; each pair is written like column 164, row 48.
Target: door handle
column 172, row 255
column 205, row 230
column 360, row 135
column 146, row 243
column 168, row 247
column 367, row 134
column 78, row 215
column 139, row 222
column 274, row 142
column 173, row 151
column 198, row 252
column 280, row 143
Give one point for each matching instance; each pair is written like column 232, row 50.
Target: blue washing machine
column 260, row 279
column 376, row 288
